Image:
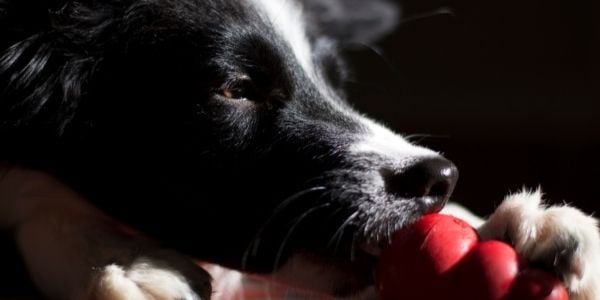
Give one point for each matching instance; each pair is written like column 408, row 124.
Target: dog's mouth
column 341, row 278
column 330, row 241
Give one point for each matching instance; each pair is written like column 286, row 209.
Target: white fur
column 227, row 283
column 534, row 229
column 67, row 245
column 378, row 139
column 541, row 233
column 287, row 18
column 537, row 232
column 143, row 280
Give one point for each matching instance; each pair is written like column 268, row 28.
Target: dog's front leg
column 73, row 251
column 560, row 237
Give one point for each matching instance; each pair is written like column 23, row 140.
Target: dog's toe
column 560, row 238
column 152, row 278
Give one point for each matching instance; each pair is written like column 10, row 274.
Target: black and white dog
column 219, row 127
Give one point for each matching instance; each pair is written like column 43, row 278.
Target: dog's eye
column 233, row 93
column 239, row 89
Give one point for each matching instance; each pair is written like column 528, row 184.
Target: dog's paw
column 558, row 237
column 166, row 276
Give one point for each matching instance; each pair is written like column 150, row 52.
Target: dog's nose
column 430, row 181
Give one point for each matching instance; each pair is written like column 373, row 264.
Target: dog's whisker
column 418, row 138
column 332, row 215
column 337, row 236
column 254, row 244
column 353, row 246
column 379, row 54
column 293, row 227
column 441, row 11
column 389, row 230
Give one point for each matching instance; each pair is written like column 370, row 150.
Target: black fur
column 122, row 99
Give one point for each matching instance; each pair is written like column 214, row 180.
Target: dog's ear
column 361, row 21
column 42, row 66
column 20, row 18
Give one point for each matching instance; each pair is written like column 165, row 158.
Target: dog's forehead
column 287, row 19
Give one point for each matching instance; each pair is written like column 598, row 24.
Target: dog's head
column 219, row 125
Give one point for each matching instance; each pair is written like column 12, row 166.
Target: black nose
column 430, row 182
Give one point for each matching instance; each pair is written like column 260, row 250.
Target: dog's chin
column 331, row 276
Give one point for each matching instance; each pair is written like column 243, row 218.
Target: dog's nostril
column 432, row 180
column 439, row 189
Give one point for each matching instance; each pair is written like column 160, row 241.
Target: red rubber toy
column 442, row 257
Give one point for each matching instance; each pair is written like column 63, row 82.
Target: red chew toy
column 441, row 257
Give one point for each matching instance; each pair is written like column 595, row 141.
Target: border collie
column 220, row 128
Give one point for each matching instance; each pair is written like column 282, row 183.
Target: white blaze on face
column 381, row 141
column 287, row 19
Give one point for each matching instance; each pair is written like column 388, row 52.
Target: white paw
column 560, row 237
column 149, row 279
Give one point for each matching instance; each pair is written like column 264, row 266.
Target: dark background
column 508, row 90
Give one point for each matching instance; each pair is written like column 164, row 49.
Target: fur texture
column 221, row 129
